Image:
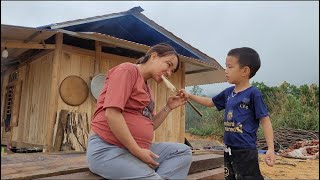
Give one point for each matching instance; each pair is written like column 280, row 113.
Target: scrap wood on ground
column 294, row 143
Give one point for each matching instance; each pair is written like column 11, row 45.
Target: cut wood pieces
column 71, row 131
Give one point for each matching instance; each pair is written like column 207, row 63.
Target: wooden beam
column 199, row 71
column 97, row 58
column 22, row 45
column 34, row 35
column 109, row 40
column 182, row 108
column 5, row 69
column 23, row 59
column 53, row 93
column 107, row 45
column 197, row 62
column 78, row 50
column 24, row 145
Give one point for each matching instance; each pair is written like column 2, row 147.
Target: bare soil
column 285, row 168
column 290, row 168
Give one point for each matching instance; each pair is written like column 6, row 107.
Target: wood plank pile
column 285, row 137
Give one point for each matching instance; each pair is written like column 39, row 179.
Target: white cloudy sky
column 285, row 34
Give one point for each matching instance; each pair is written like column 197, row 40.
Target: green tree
column 210, row 123
column 289, row 106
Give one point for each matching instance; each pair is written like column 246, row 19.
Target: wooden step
column 79, row 175
column 217, row 173
column 202, row 167
column 214, row 174
column 41, row 165
column 204, row 162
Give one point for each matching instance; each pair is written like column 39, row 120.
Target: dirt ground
column 290, row 168
column 285, row 168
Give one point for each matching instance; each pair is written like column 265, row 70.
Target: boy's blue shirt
column 241, row 117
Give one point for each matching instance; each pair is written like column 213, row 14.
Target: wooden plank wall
column 173, row 128
column 36, row 79
column 79, row 64
column 4, row 82
column 107, row 62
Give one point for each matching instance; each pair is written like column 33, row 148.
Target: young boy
column 244, row 110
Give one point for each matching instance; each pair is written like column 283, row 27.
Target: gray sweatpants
column 113, row 162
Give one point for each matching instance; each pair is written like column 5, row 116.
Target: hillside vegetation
column 289, row 106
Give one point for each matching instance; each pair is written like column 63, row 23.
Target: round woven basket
column 73, row 90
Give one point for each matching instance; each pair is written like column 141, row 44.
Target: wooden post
column 96, row 70
column 21, row 129
column 97, row 58
column 183, row 109
column 54, row 89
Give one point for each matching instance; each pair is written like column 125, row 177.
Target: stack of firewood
column 284, row 137
column 71, row 131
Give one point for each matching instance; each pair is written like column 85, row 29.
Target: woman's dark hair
column 162, row 50
column 247, row 57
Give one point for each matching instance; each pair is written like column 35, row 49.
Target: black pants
column 242, row 164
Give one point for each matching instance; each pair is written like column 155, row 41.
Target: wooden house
column 39, row 59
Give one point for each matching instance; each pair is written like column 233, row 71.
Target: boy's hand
column 270, row 157
column 184, row 94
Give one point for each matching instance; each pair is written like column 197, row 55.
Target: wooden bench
column 74, row 166
column 217, row 173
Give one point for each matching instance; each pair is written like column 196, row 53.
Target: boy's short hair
column 247, row 57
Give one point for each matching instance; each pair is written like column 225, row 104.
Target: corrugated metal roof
column 197, row 72
column 129, row 45
column 133, row 26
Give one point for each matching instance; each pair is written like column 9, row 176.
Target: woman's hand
column 176, row 101
column 147, row 157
